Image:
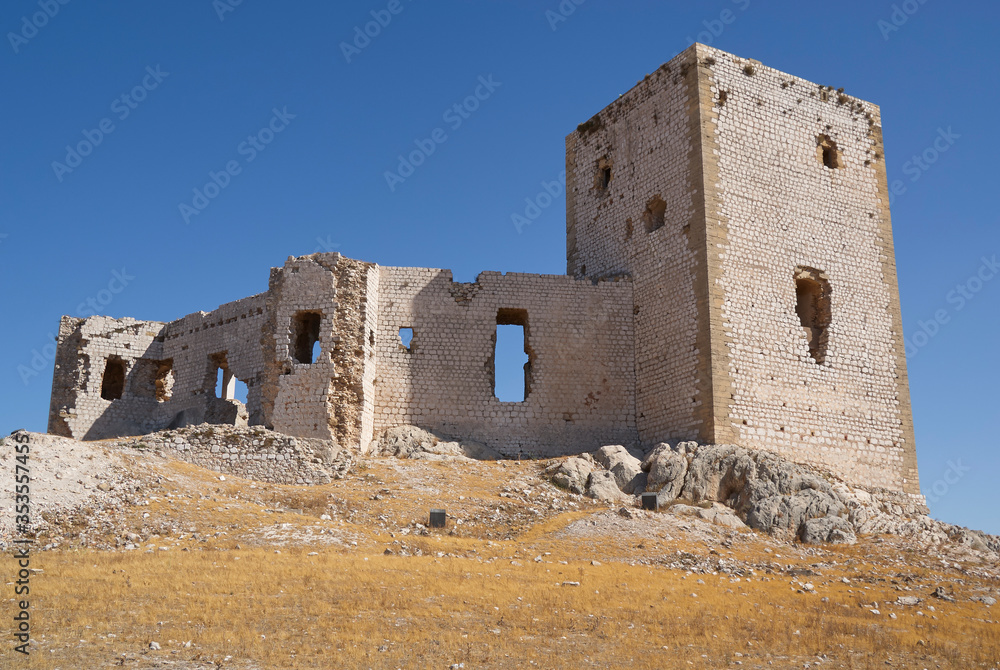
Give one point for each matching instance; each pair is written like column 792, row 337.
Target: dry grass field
column 232, row 574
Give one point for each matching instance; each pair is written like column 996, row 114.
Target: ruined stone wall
column 324, row 397
column 646, row 221
column 801, row 192
column 169, row 371
column 198, row 342
column 370, row 329
column 580, row 337
column 83, row 353
column 251, row 453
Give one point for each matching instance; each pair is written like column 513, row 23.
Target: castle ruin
column 730, row 279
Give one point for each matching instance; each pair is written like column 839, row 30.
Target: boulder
column 655, row 453
column 401, row 441
column 666, row 474
column 623, row 465
column 572, row 475
column 601, row 486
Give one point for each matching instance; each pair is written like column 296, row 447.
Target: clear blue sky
column 212, row 82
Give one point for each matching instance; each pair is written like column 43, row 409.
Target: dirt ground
column 145, row 562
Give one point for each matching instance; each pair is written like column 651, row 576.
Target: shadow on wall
column 142, row 398
column 525, row 364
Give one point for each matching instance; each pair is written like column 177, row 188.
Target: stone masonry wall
column 648, row 140
column 85, row 346
column 187, row 348
column 580, row 339
column 780, row 208
column 322, row 398
column 196, row 342
column 252, row 453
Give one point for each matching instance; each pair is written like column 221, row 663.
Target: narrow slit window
column 113, row 384
column 512, row 356
column 605, row 177
column 305, row 337
column 406, row 338
column 812, row 305
column 225, row 384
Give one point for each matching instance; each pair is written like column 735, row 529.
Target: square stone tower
column 750, row 208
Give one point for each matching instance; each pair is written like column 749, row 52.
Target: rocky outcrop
column 738, row 487
column 414, row 442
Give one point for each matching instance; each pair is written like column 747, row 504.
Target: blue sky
column 107, row 232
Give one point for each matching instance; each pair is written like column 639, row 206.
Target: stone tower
column 750, row 209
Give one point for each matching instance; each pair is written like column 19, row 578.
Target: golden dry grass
column 484, row 603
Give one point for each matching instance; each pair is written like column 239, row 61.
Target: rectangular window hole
column 113, row 383
column 512, row 356
column 305, row 337
column 406, row 338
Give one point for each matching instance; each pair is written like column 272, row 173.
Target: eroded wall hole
column 153, row 379
column 655, row 214
column 828, row 153
column 812, row 305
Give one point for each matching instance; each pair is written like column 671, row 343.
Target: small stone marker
column 649, row 501
column 438, row 518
